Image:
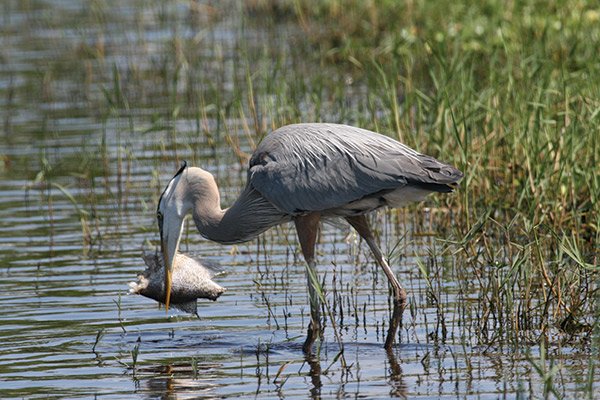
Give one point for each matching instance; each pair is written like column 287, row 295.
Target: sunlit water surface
column 77, row 199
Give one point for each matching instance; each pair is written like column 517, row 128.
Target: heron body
column 303, row 173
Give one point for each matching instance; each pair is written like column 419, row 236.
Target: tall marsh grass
column 509, row 93
column 506, row 91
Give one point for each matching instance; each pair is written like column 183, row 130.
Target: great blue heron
column 303, row 173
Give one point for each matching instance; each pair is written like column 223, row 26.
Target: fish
column 192, row 280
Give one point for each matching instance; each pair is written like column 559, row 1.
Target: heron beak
column 168, row 272
column 169, row 242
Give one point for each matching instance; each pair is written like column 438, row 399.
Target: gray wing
column 315, row 167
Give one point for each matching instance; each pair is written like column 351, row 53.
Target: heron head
column 173, row 207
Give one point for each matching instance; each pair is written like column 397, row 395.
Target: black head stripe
column 181, row 169
column 179, row 172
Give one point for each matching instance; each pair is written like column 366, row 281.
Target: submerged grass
column 506, row 91
column 509, row 93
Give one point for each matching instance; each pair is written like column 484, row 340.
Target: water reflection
column 99, row 104
column 398, row 387
column 175, row 381
column 315, row 376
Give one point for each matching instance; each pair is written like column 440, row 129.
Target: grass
column 506, row 91
column 503, row 91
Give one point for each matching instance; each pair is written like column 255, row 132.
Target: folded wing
column 314, row 167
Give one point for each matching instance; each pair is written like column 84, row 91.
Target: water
column 100, row 104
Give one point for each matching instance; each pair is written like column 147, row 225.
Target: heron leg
column 361, row 224
column 307, row 227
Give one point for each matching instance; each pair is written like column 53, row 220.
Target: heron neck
column 248, row 217
column 209, row 219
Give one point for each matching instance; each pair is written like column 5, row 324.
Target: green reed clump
column 507, row 92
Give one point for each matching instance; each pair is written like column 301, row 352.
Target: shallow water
column 91, row 134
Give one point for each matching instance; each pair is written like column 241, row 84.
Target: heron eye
column 159, row 218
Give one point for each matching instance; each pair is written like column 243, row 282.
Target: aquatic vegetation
column 102, row 101
column 508, row 94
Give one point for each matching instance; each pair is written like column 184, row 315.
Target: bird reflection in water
column 173, row 380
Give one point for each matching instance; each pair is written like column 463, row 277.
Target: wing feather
column 315, row 167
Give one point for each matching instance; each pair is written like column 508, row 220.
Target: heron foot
column 400, row 299
column 395, row 319
column 314, row 332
